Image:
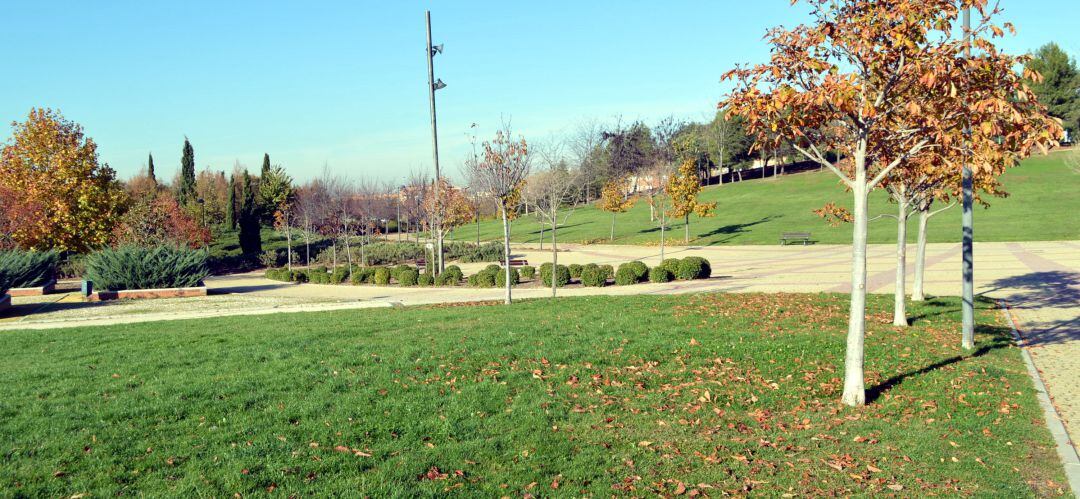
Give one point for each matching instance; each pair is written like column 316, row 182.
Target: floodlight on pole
column 434, row 85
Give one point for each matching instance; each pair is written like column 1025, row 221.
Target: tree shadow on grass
column 732, row 229
column 999, row 337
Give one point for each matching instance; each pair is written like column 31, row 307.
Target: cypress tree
column 150, row 170
column 230, row 206
column 186, row 191
column 266, row 166
column 250, row 239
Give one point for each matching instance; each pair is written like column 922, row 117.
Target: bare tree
column 553, row 193
column 584, row 146
column 341, row 191
column 501, row 172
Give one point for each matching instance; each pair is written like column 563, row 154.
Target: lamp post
column 434, row 85
column 967, row 221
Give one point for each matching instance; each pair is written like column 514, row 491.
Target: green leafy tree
column 185, row 193
column 1059, row 87
column 250, row 238
column 230, row 205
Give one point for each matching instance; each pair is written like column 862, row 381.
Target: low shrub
column 693, row 267
column 362, row 275
column 527, row 272
column 492, row 268
column 408, row 277
column 640, row 269
column 482, row 279
column 660, row 274
column 594, row 277
column 134, row 267
column 671, row 265
column 609, row 271
column 575, row 270
column 630, row 273
column 339, row 275
column 562, row 275
column 26, row 269
column 318, row 275
column 425, row 279
column 452, row 276
column 470, row 253
column 381, row 276
column 500, row 277
column 397, row 270
column 285, row 275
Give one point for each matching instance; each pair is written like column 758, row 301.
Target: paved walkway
column 1040, row 281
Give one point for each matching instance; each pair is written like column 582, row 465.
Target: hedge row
column 403, row 275
column 591, row 275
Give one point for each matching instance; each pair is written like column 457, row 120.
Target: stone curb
column 1065, row 449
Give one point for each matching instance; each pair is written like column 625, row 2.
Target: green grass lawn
column 719, row 393
column 1043, row 206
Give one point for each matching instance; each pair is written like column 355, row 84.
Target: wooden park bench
column 788, row 237
column 421, row 263
column 518, row 262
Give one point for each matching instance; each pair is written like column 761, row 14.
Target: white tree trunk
column 554, row 255
column 900, row 293
column 854, row 384
column 917, row 293
column 288, row 242
column 612, row 237
column 506, row 252
column 663, row 222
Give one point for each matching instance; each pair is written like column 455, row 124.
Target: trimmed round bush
column 562, row 275
column 593, row 277
column 408, row 277
column 671, row 264
column 398, row 269
column 425, row 280
column 492, row 268
column 527, row 272
column 609, row 271
column 575, row 270
column 640, row 269
column 482, row 279
column 362, row 275
column 381, row 276
column 500, row 278
column 453, row 274
column 660, row 274
column 693, row 267
column 630, row 273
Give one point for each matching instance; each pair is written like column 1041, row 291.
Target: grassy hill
column 1043, row 205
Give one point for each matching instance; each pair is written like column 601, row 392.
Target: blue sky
column 344, row 83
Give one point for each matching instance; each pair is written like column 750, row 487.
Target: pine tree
column 150, row 170
column 1059, row 88
column 230, row 207
column 250, row 239
column 265, row 166
column 186, row 191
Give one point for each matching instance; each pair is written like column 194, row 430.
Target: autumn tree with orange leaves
column 845, row 83
column 500, row 172
column 683, row 188
column 57, row 195
column 614, row 200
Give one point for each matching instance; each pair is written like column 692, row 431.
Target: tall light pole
column 434, row 85
column 967, row 221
